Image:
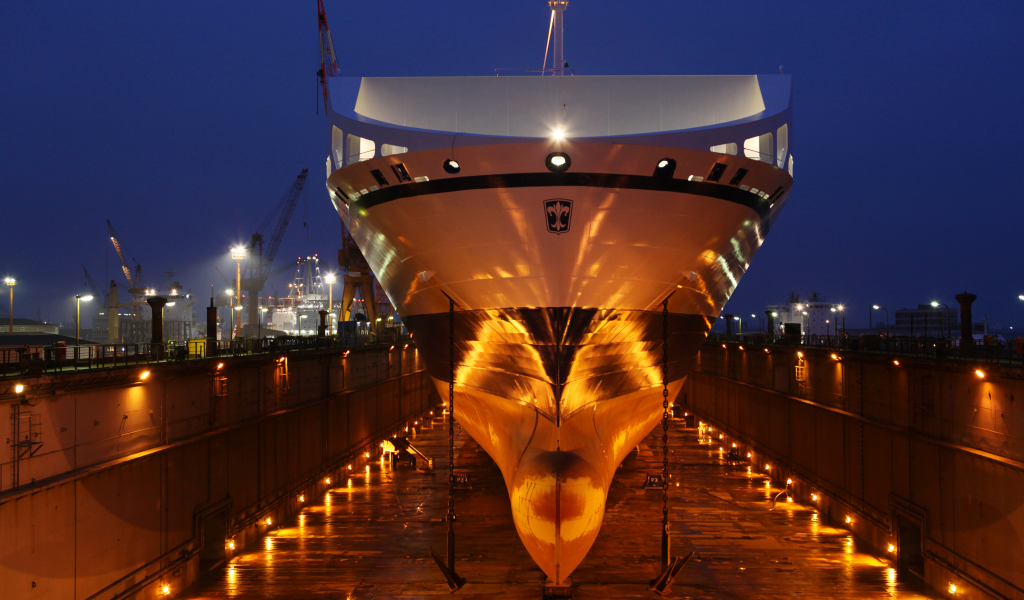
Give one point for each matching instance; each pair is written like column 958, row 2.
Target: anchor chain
column 451, row 412
column 664, row 436
column 455, row 582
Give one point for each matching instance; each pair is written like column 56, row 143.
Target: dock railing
column 988, row 350
column 38, row 360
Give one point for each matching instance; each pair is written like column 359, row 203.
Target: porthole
column 665, row 168
column 451, row 167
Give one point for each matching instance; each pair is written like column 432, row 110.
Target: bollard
column 321, row 330
column 156, row 304
column 966, row 328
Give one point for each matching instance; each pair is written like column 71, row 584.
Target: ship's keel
column 558, row 473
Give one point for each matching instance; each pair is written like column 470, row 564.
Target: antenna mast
column 557, row 8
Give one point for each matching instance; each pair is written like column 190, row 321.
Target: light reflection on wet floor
column 369, row 537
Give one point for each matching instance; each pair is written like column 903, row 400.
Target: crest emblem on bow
column 558, row 212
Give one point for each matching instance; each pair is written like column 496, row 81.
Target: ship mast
column 557, row 8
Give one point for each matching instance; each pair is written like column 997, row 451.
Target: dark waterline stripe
column 598, row 180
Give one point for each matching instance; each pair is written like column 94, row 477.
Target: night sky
column 184, row 122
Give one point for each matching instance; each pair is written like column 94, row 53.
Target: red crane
column 328, row 64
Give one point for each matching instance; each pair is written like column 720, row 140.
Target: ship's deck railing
column 992, row 350
column 39, row 360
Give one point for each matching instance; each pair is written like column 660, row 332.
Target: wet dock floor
column 369, row 537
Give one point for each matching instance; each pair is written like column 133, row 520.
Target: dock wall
column 130, row 487
column 923, row 454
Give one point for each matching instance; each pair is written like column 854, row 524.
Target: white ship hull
column 570, row 289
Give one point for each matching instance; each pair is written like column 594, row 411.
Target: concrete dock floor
column 369, row 537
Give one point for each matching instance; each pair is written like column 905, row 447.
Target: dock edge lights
column 144, row 376
column 558, row 162
column 451, row 167
column 979, row 373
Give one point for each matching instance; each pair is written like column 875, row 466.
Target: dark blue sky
column 183, row 122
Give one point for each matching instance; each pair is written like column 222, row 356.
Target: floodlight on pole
column 330, row 279
column 78, row 316
column 11, row 282
column 877, row 307
column 238, row 254
column 949, row 325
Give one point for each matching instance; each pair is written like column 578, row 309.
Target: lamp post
column 739, row 327
column 330, row 279
column 843, row 314
column 238, row 254
column 263, row 309
column 949, row 332
column 10, row 281
column 231, row 316
column 760, row 323
column 236, row 320
column 877, row 307
column 301, row 317
column 78, row 317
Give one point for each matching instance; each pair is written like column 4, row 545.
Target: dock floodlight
column 19, row 388
column 451, row 167
column 558, row 134
column 558, row 162
column 238, row 253
column 665, row 168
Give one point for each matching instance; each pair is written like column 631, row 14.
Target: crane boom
column 92, row 284
column 328, row 64
column 282, row 224
column 120, row 254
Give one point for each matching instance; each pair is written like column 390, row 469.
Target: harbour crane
column 92, row 284
column 136, row 286
column 261, row 260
